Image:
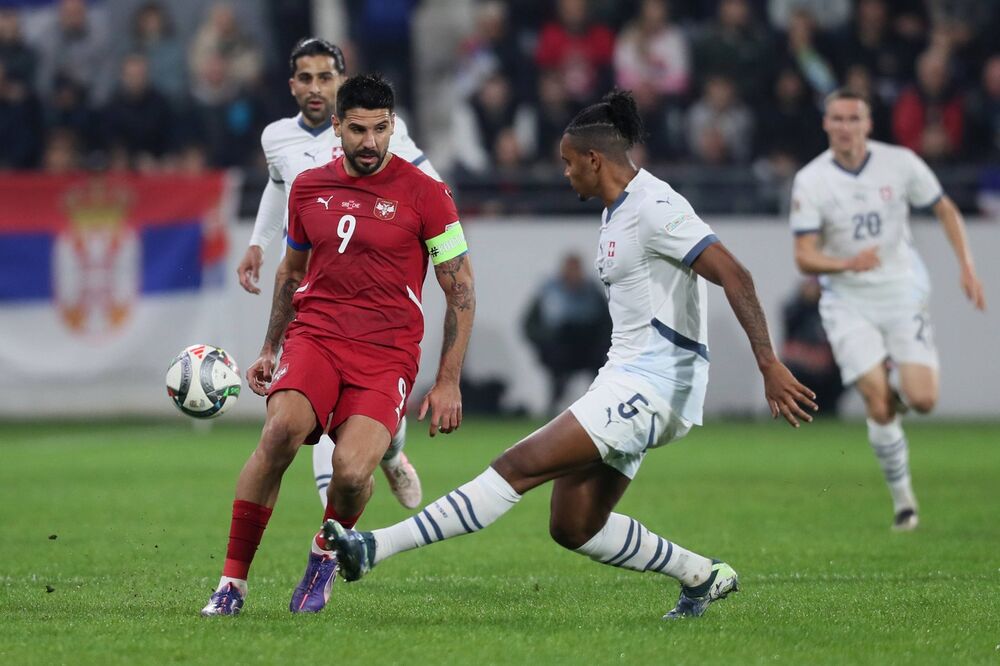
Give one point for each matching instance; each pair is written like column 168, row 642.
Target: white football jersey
column 291, row 147
column 853, row 211
column 650, row 237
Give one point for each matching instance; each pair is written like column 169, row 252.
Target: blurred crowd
column 719, row 82
column 732, row 82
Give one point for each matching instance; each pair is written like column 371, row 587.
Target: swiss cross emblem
column 611, row 249
column 885, row 193
column 385, row 209
column 336, row 152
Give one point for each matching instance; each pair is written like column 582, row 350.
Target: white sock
column 323, row 465
column 391, row 458
column 465, row 510
column 240, row 584
column 892, row 451
column 625, row 542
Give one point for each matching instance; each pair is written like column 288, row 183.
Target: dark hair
column 610, row 126
column 845, row 93
column 311, row 46
column 365, row 91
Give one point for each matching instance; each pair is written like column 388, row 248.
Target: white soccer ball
column 203, row 381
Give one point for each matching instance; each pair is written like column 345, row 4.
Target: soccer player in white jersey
column 850, row 215
column 655, row 256
column 292, row 145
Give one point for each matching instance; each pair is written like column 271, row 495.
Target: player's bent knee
column 351, row 482
column 922, row 403
column 570, row 537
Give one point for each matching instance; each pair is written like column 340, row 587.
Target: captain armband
column 448, row 245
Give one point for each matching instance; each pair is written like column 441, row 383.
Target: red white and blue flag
column 107, row 275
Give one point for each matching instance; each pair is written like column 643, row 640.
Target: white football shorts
column 625, row 418
column 864, row 334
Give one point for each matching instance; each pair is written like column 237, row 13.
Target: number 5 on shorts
column 628, row 410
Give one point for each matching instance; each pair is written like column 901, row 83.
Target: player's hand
column 249, row 269
column 444, row 401
column 259, row 374
column 865, row 260
column 973, row 288
column 786, row 396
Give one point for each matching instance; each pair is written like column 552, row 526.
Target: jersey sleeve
column 270, row 214
column 922, row 186
column 298, row 239
column 272, row 155
column 441, row 229
column 674, row 232
column 804, row 215
column 402, row 145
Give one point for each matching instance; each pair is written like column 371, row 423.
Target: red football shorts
column 343, row 378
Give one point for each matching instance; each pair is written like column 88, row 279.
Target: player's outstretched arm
column 291, row 271
column 444, row 400
column 267, row 225
column 954, row 227
column 811, row 260
column 785, row 395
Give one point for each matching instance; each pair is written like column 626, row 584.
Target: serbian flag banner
column 102, row 279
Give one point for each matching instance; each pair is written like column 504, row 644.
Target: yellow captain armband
column 448, row 245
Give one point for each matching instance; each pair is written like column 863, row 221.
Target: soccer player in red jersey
column 347, row 316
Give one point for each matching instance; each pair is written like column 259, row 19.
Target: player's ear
column 336, row 124
column 595, row 160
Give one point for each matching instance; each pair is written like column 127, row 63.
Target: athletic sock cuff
column 499, row 484
column 882, row 434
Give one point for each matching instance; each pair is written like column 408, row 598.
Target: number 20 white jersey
column 290, row 147
column 853, row 211
column 649, row 238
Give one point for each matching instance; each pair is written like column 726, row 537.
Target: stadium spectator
column 652, row 59
column 734, row 46
column 805, row 349
column 553, row 113
column 828, row 15
column 221, row 36
column 138, row 118
column 20, row 124
column 788, row 128
column 492, row 48
column 223, row 115
column 73, row 42
column 808, row 58
column 384, row 41
column 17, row 58
column 652, row 55
column 569, row 327
column 69, row 108
column 871, row 42
column 928, row 116
column 62, row 153
column 580, row 49
column 983, row 109
column 720, row 125
column 153, row 36
column 478, row 124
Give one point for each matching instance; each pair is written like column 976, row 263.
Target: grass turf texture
column 113, row 537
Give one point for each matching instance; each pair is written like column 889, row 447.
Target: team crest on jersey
column 336, row 152
column 885, row 193
column 385, row 209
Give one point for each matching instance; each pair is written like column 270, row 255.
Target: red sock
column 249, row 521
column 330, row 512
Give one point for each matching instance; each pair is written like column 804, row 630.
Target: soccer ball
column 203, row 381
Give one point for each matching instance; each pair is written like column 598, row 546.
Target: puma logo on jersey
column 325, row 202
column 311, row 156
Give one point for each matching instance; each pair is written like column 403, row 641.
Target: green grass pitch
column 112, row 536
